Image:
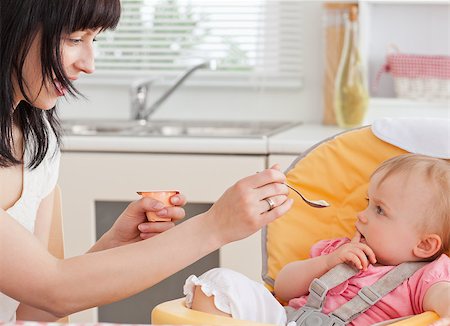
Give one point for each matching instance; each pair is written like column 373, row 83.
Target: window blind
column 252, row 42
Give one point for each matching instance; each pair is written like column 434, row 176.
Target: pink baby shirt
column 405, row 300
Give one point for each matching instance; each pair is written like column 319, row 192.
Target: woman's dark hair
column 20, row 22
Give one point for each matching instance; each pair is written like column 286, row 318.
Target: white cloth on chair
column 237, row 295
column 427, row 136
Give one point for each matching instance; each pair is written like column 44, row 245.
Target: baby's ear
column 428, row 246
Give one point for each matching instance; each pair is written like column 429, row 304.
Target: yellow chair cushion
column 338, row 171
column 423, row 319
column 175, row 313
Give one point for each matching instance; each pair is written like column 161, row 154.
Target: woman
column 45, row 46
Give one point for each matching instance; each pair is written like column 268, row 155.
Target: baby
column 407, row 219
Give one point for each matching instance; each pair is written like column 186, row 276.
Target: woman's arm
column 126, row 229
column 31, row 275
column 437, row 299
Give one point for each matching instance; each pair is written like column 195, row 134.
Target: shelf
column 384, row 23
column 406, row 103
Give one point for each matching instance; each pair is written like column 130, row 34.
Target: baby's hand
column 356, row 253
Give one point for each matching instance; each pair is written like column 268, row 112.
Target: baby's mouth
column 363, row 238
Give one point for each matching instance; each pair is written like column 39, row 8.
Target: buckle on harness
column 311, row 317
column 317, row 291
column 369, row 295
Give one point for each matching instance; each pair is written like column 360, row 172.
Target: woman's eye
column 75, row 41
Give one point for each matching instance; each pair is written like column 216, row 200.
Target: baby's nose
column 361, row 217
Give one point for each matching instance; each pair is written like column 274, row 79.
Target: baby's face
column 390, row 224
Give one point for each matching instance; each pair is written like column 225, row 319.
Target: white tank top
column 37, row 184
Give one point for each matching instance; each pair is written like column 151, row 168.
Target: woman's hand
column 149, row 229
column 132, row 225
column 355, row 253
column 243, row 209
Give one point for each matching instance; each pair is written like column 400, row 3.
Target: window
column 252, row 42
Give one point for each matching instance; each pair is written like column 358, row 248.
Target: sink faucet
column 139, row 92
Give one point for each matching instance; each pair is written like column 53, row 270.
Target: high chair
column 337, row 170
column 56, row 237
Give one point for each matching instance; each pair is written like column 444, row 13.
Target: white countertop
column 291, row 141
column 300, row 138
column 165, row 145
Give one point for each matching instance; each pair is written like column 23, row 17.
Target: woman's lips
column 59, row 88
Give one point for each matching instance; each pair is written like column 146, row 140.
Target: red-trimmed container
column 419, row 77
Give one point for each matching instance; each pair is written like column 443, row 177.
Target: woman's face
column 77, row 56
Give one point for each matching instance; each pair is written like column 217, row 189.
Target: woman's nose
column 86, row 62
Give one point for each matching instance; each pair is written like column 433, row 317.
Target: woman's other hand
column 132, row 225
column 176, row 212
column 246, row 206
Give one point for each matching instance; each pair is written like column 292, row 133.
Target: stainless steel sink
column 175, row 128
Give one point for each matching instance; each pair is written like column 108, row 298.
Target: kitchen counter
column 298, row 139
column 291, row 141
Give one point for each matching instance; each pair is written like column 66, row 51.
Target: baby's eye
column 379, row 210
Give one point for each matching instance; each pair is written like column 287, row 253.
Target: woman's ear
column 428, row 246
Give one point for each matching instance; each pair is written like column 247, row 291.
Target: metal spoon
column 313, row 203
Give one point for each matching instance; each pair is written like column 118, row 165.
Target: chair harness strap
column 311, row 313
column 369, row 295
column 319, row 287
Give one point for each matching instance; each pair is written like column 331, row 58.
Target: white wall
column 190, row 102
column 416, row 28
